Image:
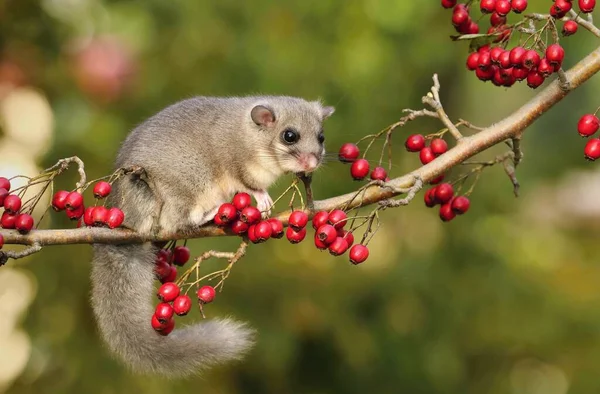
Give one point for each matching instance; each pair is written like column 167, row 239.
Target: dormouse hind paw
column 264, row 202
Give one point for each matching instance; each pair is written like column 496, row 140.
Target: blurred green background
column 502, row 300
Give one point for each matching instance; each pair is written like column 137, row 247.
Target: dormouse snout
column 308, row 161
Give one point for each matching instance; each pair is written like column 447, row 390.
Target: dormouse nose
column 308, row 161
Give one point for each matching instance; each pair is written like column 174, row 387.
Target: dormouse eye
column 321, row 137
column 290, row 136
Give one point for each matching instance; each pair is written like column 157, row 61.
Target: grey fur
column 196, row 155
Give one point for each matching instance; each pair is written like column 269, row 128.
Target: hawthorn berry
column 534, row 79
column 429, row 198
column 276, row 228
column 360, row 169
column 588, row 125
column 569, row 28
column 503, row 7
column 262, row 231
column 320, row 219
column 326, row 234
column 485, row 60
column 24, row 223
column 164, row 254
column 437, row 180
column 504, row 59
column 545, row 68
column 347, row 235
column 298, row 220
column 4, row 183
column 168, row 292
column 238, row 227
column 460, row 16
column 115, row 217
column 320, row 244
column 102, row 189
column 487, row 6
column 241, row 201
column 495, row 53
column 416, row 142
column 443, row 193
column 227, row 213
column 250, row 215
column 562, row 6
column 460, row 205
column 170, row 278
column 1, row 241
column 295, row 236
column 59, row 200
column 8, row 220
column 181, row 255
column 348, row 153
column 74, row 200
column 3, row 194
column 531, row 59
column 182, row 305
column 337, row 218
column 587, row 6
column 338, row 246
column 516, row 56
column 358, row 254
column 206, row 294
column 518, row 6
column 170, row 325
column 591, row 150
column 426, row 155
column 497, row 20
column 157, row 325
column 378, row 174
column 164, row 312
column 438, row 146
column 472, row 64
column 251, row 235
column 483, row 75
column 12, row 203
column 75, row 214
column 555, row 54
column 446, row 212
column 162, row 269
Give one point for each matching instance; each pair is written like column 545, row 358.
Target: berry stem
column 433, row 100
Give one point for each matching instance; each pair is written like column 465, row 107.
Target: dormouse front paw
column 264, row 203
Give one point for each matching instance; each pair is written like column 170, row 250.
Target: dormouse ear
column 327, row 112
column 262, row 116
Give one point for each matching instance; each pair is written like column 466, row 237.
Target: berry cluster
column 450, row 206
column 587, row 126
column 97, row 216
column 360, row 168
column 13, row 217
column 172, row 303
column 167, row 260
column 418, row 143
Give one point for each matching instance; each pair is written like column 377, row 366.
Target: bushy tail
column 122, row 290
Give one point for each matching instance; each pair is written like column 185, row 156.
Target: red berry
column 74, row 200
column 446, row 212
column 100, row 215
column 251, row 235
column 102, row 189
column 320, row 244
column 588, row 125
column 8, row 220
column 338, row 246
column 485, row 60
column 429, row 198
column 171, row 277
column 4, row 183
column 75, row 214
column 241, row 201
column 164, row 254
column 337, row 218
column 157, row 325
column 59, row 200
column 181, row 255
column 298, row 220
column 460, row 205
column 503, row 7
column 295, row 236
column 487, row 6
column 591, row 151
column 426, row 155
column 359, row 169
column 438, row 146
column 320, row 219
column 555, row 54
column 587, row 6
column 497, row 20
column 163, row 312
column 115, row 217
column 448, row 3
column 443, row 193
column 472, row 64
column 347, row 235
column 3, row 194
column 170, row 325
column 545, row 68
column 569, row 28
column 460, row 16
column 416, row 142
column 182, row 305
column 162, row 269
column 437, row 180
column 531, row 59
column 534, row 79
column 483, row 75
column 227, row 213
column 263, row 231
column 348, row 153
column 206, row 294
column 1, row 241
column 12, row 203
column 358, row 254
column 326, row 234
column 250, row 215
column 238, row 227
column 518, row 6
column 378, row 174
column 276, row 228
column 24, row 223
column 562, row 6
column 168, row 292
column 504, row 59
column 217, row 220
column 495, row 53
column 516, row 56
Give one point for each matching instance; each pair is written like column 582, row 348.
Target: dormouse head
column 292, row 129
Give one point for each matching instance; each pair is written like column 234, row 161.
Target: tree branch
column 509, row 128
